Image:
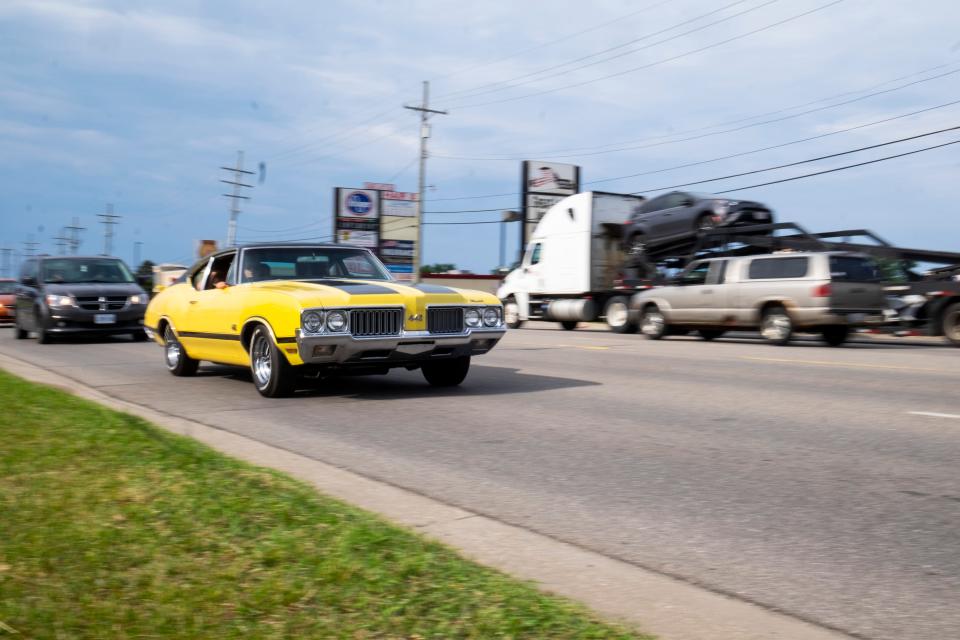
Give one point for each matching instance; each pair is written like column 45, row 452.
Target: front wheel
column 177, row 361
column 273, row 376
column 18, row 333
column 446, row 373
column 618, row 317
column 511, row 314
column 139, row 336
column 836, row 335
column 653, row 324
column 776, row 326
column 951, row 324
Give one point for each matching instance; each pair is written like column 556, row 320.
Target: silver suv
column 779, row 294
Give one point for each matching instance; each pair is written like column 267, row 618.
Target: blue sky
column 138, row 104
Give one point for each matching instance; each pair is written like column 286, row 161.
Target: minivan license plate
column 105, row 318
column 856, row 317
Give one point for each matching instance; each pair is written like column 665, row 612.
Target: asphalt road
column 800, row 478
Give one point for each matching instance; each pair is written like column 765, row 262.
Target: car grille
column 376, row 322
column 110, row 303
column 445, row 320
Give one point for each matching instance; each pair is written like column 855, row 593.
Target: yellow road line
column 828, row 363
column 583, row 346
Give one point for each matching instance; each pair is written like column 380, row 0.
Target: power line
column 836, row 169
column 506, row 83
column 74, row 228
column 399, row 173
column 547, row 155
column 658, row 62
column 286, row 230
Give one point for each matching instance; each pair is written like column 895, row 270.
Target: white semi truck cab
column 573, row 267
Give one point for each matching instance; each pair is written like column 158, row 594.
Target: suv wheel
column 836, row 335
column 177, row 361
column 652, row 323
column 273, row 376
column 951, row 324
column 617, row 313
column 637, row 245
column 18, row 333
column 776, row 326
column 706, row 222
column 511, row 313
column 446, row 373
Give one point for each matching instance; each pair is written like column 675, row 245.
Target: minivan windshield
column 84, row 270
column 7, row 287
column 311, row 263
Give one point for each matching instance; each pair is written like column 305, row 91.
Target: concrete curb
column 667, row 607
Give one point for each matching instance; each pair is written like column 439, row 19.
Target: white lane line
column 934, row 414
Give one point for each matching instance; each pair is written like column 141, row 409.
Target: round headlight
column 337, row 321
column 491, row 316
column 312, row 322
column 471, row 317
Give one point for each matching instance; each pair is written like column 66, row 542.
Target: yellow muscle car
column 319, row 309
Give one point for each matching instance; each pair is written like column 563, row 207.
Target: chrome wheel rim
column 511, row 313
column 776, row 327
column 260, row 361
column 172, row 353
column 653, row 323
column 637, row 247
column 707, row 223
column 617, row 314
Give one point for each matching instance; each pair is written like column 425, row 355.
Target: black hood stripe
column 433, row 288
column 356, row 288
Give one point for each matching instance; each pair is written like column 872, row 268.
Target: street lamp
column 508, row 216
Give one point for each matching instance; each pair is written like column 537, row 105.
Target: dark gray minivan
column 60, row 295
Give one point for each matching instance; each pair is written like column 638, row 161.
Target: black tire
column 951, row 324
column 776, row 326
column 139, row 336
column 44, row 336
column 273, row 375
column 705, row 222
column 636, row 245
column 653, row 324
column 569, row 325
column 175, row 356
column 835, row 335
column 446, row 373
column 18, row 333
column 710, row 334
column 511, row 313
column 618, row 316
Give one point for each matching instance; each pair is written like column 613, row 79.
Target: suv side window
column 674, row 200
column 654, row 205
column 776, row 268
column 696, row 274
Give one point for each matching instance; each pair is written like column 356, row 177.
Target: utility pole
column 425, row 113
column 62, row 241
column 6, row 260
column 109, row 220
column 74, row 230
column 136, row 254
column 235, row 197
column 30, row 247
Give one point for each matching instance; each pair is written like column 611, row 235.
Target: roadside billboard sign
column 543, row 184
column 356, row 216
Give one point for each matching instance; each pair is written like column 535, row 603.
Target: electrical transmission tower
column 30, row 247
column 235, row 197
column 425, row 113
column 108, row 219
column 62, row 241
column 74, row 230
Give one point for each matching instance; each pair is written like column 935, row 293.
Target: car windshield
column 6, row 287
column 311, row 263
column 81, row 270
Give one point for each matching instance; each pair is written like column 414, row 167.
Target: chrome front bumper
column 409, row 347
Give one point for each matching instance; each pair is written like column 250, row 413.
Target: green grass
column 113, row 528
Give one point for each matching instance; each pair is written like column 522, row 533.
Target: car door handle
column 192, row 301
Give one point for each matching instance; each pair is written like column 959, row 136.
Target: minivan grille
column 109, row 303
column 376, row 322
column 445, row 320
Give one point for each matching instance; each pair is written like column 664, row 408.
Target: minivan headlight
column 57, row 300
column 471, row 317
column 491, row 316
column 337, row 321
column 312, row 322
column 137, row 298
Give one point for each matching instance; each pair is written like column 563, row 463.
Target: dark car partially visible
column 7, row 300
column 63, row 295
column 673, row 221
